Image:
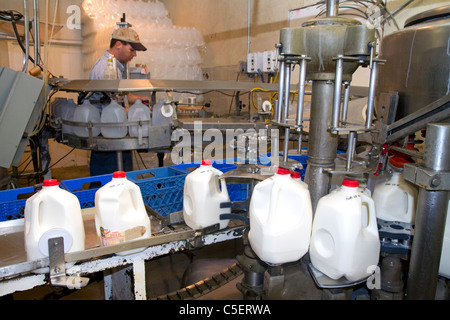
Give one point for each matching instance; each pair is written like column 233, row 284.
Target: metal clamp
column 427, row 178
column 57, row 267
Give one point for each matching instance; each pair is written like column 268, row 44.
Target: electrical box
column 269, row 61
column 254, row 62
column 21, row 102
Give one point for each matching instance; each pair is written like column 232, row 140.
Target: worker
column 123, row 46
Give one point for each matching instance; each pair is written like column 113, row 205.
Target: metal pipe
column 322, row 143
column 332, row 8
column 36, row 29
column 301, row 102
column 372, row 85
column 27, row 36
column 280, row 91
column 350, row 149
column 337, row 93
column 286, row 92
column 301, row 91
column 286, row 110
column 431, row 214
column 345, row 104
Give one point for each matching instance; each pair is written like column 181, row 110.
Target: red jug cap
column 283, row 171
column 350, row 183
column 50, row 183
column 295, row 174
column 119, row 174
column 206, row 162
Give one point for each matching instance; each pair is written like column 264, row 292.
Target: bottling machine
column 407, row 93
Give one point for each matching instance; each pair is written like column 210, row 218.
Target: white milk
column 50, row 213
column 114, row 113
column 120, row 214
column 344, row 243
column 202, row 197
column 138, row 112
column 395, row 199
column 280, row 219
column 86, row 113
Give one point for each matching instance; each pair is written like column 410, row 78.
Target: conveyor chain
column 205, row 286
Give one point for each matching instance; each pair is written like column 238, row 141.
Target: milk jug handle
column 409, row 202
column 35, row 217
column 273, row 202
column 223, row 186
column 371, row 211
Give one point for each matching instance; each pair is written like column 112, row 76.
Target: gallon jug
column 120, row 214
column 295, row 175
column 202, row 197
column 52, row 212
column 86, row 113
column 280, row 219
column 67, row 113
column 139, row 112
column 344, row 238
column 395, row 199
column 163, row 113
column 114, row 113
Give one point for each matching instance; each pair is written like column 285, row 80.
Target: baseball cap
column 129, row 35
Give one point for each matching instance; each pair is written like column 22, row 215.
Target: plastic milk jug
column 139, row 112
column 202, row 196
column 86, row 113
column 67, row 112
column 114, row 113
column 344, row 243
column 395, row 199
column 120, row 214
column 295, row 175
column 280, row 219
column 51, row 213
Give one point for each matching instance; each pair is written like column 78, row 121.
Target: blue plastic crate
column 12, row 202
column 161, row 188
column 84, row 188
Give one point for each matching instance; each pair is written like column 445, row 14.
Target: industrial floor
column 164, row 274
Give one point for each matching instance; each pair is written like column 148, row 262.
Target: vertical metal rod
column 371, row 98
column 350, row 149
column 301, row 91
column 332, row 8
column 27, row 36
column 280, row 91
column 119, row 159
column 337, row 93
column 301, row 102
column 431, row 214
column 286, row 110
column 36, row 28
column 345, row 104
column 287, row 84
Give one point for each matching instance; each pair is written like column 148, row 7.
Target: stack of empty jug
column 112, row 121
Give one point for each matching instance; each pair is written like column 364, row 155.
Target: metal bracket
column 427, row 178
column 57, row 267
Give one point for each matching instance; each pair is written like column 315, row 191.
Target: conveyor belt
column 178, row 237
column 205, row 286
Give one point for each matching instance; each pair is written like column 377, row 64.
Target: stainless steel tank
column 418, row 61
